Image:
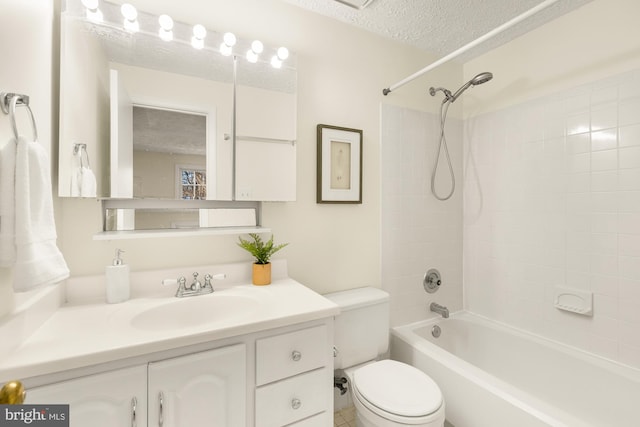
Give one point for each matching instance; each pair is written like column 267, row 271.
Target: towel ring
column 8, row 103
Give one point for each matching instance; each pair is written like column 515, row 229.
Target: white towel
column 38, row 259
column 83, row 180
column 75, row 181
column 87, row 182
column 7, row 204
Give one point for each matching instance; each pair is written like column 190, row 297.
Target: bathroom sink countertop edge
column 78, row 336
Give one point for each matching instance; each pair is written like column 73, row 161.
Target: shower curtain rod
column 470, row 45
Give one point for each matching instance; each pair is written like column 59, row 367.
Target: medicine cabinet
column 163, row 121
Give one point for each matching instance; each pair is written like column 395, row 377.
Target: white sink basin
column 195, row 311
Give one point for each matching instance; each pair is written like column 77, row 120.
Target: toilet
column 386, row 393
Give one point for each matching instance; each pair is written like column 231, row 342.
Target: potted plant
column 262, row 252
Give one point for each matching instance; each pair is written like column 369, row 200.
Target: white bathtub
column 494, row 375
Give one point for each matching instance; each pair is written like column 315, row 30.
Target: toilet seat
column 397, row 392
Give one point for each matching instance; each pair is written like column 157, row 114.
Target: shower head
column 481, row 78
column 477, row 80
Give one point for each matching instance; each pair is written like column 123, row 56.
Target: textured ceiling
column 442, row 26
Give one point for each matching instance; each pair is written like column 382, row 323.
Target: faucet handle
column 208, row 278
column 172, row 282
column 180, row 281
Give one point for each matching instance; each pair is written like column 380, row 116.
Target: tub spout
column 440, row 309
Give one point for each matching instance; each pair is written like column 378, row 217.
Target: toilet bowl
column 390, row 393
column 386, row 393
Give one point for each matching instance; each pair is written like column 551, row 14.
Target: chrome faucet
column 196, row 287
column 440, row 309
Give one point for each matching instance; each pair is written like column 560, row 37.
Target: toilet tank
column 361, row 330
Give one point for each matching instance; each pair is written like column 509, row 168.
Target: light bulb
column 199, row 33
column 129, row 12
column 283, row 53
column 95, row 15
column 93, row 12
column 225, row 49
column 252, row 56
column 229, row 39
column 257, row 46
column 276, row 62
column 166, row 25
column 130, row 17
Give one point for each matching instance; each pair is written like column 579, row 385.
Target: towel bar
column 8, row 103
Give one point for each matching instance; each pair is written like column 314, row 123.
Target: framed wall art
column 339, row 170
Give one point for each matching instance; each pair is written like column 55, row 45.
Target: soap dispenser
column 117, row 278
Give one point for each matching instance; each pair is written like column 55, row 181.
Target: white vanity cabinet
column 281, row 376
column 201, row 389
column 109, row 399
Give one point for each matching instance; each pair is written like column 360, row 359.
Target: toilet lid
column 398, row 388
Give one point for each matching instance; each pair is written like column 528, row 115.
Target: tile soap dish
column 574, row 300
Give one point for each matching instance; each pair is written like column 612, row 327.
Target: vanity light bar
column 165, row 32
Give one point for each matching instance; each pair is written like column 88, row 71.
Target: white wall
column 26, row 29
column 341, row 73
column 552, row 173
column 419, row 232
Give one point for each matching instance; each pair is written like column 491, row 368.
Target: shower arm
column 470, row 45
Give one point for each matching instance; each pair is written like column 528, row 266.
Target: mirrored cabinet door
column 155, row 118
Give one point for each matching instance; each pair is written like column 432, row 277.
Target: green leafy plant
column 260, row 250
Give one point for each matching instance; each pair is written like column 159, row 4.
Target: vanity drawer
column 289, row 354
column 320, row 420
column 293, row 399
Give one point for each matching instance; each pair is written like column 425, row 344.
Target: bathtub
column 494, row 375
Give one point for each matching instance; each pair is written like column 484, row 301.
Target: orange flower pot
column 261, row 274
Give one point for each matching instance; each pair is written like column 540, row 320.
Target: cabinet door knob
column 296, row 403
column 296, row 355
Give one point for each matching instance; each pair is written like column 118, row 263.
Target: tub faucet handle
column 432, row 280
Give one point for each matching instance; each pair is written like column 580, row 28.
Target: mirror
column 113, row 81
column 164, row 169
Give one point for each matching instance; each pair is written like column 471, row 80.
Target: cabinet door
column 203, row 389
column 111, row 399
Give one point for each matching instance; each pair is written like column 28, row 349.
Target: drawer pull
column 296, row 403
column 296, row 355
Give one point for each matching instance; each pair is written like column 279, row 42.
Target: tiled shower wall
column 552, row 197
column 418, row 231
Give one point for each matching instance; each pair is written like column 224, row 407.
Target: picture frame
column 339, row 168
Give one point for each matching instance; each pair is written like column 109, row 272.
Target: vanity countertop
column 80, row 335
